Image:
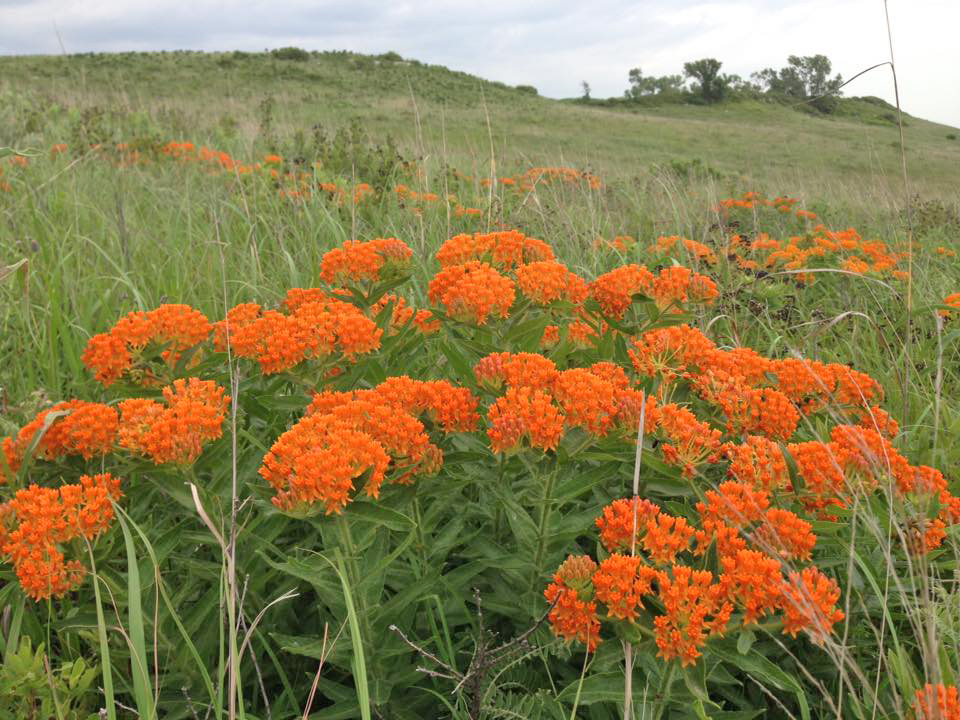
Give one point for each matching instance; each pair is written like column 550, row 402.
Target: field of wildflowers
column 280, row 441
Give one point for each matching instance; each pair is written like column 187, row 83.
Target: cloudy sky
column 550, row 44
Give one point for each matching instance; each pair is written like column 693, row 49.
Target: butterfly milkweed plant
column 521, row 471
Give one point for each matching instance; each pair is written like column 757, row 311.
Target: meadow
column 347, row 386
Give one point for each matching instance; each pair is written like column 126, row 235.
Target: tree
column 586, row 89
column 709, row 84
column 641, row 86
column 803, row 78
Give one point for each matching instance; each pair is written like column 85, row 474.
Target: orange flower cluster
column 366, row 262
column 68, row 428
column 751, row 577
column 548, row 281
column 535, row 176
column 315, row 329
column 845, row 249
column 951, row 301
column 672, row 288
column 691, row 442
column 541, row 403
column 574, row 613
column 937, row 702
column 124, row 349
column 417, row 202
column 402, row 315
column 174, row 431
column 363, row 434
column 472, row 292
column 755, row 201
column 669, row 245
column 38, row 522
column 504, row 250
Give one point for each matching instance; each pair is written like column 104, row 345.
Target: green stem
column 354, row 577
column 543, row 528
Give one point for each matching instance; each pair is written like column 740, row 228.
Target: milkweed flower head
column 320, row 330
column 175, row 430
column 373, row 435
column 547, row 281
column 503, row 250
column 120, row 352
column 621, row 582
column 614, row 290
column 38, row 522
column 937, row 702
column 74, row 427
column 472, row 292
column 694, row 609
column 574, row 612
column 355, row 262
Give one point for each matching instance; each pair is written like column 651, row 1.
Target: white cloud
column 550, row 45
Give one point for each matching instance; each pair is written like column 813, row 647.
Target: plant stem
column 543, row 528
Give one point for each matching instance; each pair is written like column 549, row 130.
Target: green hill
column 238, row 99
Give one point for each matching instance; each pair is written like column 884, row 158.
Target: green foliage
column 804, row 78
column 527, row 89
column 641, row 85
column 709, row 84
column 291, row 53
column 33, row 686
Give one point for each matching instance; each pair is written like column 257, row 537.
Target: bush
column 527, row 89
column 291, row 53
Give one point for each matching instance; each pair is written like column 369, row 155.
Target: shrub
column 291, row 53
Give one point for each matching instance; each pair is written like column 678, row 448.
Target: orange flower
column 620, row 583
column 516, row 370
column 174, row 328
column 574, row 613
column 588, row 401
column 677, row 285
column 524, row 412
column 669, row 351
column 548, row 281
column 784, row 533
column 176, row 430
column 85, row 429
column 365, row 262
column 665, row 537
column 809, row 603
column 758, row 462
column 754, row 581
column 39, row 520
column 733, row 503
column 614, row 290
column 937, row 702
column 314, row 330
column 694, row 609
column 693, row 442
column 472, row 292
column 317, row 461
column 504, row 250
column 623, row 520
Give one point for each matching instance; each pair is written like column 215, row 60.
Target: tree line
column 804, row 79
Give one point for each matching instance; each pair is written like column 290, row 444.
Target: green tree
column 641, row 85
column 803, row 78
column 708, row 82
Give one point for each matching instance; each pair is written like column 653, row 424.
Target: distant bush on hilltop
column 291, row 53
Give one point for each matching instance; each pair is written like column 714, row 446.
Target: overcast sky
column 550, row 44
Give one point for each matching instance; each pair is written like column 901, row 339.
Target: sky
column 550, row 44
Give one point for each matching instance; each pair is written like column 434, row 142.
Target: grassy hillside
column 431, row 111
